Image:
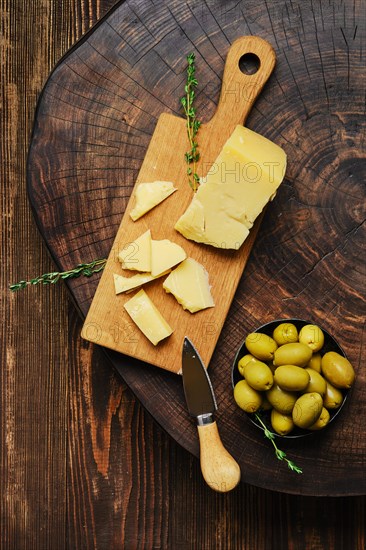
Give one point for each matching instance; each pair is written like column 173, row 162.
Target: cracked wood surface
column 83, row 464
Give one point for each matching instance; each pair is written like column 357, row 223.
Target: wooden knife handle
column 219, row 469
column 239, row 90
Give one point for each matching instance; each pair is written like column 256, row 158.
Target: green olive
column 261, row 346
column 333, row 397
column 281, row 423
column 313, row 336
column 292, row 354
column 315, row 362
column 291, row 377
column 246, row 398
column 307, row 409
column 243, row 361
column 322, row 421
column 316, row 383
column 281, row 400
column 258, row 375
column 285, row 333
column 337, row 370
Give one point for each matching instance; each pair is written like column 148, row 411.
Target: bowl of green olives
column 292, row 377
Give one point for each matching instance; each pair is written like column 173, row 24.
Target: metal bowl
column 330, row 344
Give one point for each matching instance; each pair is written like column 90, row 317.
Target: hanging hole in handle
column 249, row 63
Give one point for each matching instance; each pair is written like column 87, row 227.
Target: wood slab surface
column 93, row 125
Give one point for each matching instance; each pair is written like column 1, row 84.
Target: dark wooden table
column 82, row 464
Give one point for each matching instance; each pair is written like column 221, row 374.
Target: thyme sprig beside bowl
column 187, row 101
column 51, row 278
column 281, row 455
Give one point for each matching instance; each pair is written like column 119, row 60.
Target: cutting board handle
column 240, row 90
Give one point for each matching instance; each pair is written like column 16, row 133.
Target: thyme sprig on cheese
column 187, row 101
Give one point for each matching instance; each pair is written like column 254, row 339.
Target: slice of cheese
column 244, row 177
column 125, row 284
column 190, row 286
column 147, row 317
column 149, row 195
column 164, row 255
column 136, row 255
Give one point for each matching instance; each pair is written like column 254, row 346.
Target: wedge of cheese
column 149, row 195
column 244, row 177
column 126, row 284
column 164, row 255
column 136, row 255
column 147, row 317
column 190, row 286
column 151, row 256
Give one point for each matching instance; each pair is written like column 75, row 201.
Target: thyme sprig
column 51, row 278
column 281, row 455
column 187, row 101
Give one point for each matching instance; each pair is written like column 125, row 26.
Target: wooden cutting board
column 107, row 323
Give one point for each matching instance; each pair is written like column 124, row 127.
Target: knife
column 219, row 469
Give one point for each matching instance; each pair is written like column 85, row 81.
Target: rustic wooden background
column 82, row 464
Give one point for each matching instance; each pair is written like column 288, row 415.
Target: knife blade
column 219, row 469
